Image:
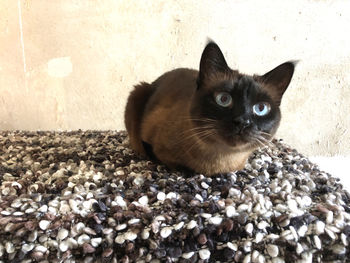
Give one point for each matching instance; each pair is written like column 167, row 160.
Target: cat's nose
column 242, row 122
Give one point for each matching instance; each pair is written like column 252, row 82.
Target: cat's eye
column 261, row 108
column 223, row 99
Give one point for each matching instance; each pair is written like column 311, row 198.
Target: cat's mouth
column 248, row 139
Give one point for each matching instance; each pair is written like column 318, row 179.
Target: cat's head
column 236, row 109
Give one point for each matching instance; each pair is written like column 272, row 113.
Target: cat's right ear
column 212, row 62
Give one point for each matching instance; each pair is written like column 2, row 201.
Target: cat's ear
column 278, row 79
column 212, row 62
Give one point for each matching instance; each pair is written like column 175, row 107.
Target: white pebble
column 292, row 204
column 192, row 224
column 259, row 237
column 204, row 185
column 161, row 196
column 145, row 234
column 43, row 209
column 40, row 248
column 143, row 200
column 261, row 259
column 206, row 215
column 302, row 230
column 62, row 234
column 319, row 227
column 130, row 236
column 179, row 225
column 234, row 192
column 277, row 260
column 187, row 255
column 255, row 256
column 27, row 247
column 44, row 224
column 242, row 207
column 232, row 246
column 204, row 254
column 247, row 258
column 64, row 245
column 249, row 228
column 134, row 221
column 215, row 220
column 317, row 242
column 95, row 242
column 84, row 238
column 165, row 232
column 247, row 246
column 121, row 227
column 344, row 239
column 306, row 201
column 120, row 239
column 272, row 250
column 262, row 225
column 10, row 248
column 230, row 211
column 330, row 233
column 199, row 197
column 120, row 201
column 329, row 218
column 299, row 248
column 171, row 195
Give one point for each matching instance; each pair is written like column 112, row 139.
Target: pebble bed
column 84, row 196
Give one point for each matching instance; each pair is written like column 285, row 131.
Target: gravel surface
column 85, row 197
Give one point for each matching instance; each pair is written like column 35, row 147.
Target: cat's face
column 236, row 109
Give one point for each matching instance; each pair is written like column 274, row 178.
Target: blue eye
column 261, row 108
column 223, row 99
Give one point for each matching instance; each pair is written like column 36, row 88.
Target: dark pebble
column 174, row 252
column 227, row 225
column 202, row 239
column 160, row 253
column 242, row 218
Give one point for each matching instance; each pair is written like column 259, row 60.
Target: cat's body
column 204, row 120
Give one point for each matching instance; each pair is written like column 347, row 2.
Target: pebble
column 161, row 196
column 64, row 245
column 130, row 236
column 165, row 232
column 249, row 228
column 95, row 242
column 192, row 224
column 143, row 200
column 272, row 250
column 215, row 220
column 187, row 255
column 179, row 225
column 230, row 211
column 319, row 227
column 317, row 242
column 62, row 234
column 204, row 254
column 44, row 224
column 27, row 247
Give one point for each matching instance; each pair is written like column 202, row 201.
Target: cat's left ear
column 212, row 63
column 277, row 80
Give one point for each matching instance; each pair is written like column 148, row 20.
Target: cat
column 210, row 120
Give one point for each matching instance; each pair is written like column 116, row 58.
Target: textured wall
column 70, row 64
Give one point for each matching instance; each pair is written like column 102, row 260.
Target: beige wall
column 70, row 64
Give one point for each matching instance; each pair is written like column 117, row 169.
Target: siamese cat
column 210, row 120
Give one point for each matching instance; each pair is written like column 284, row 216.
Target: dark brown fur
column 167, row 115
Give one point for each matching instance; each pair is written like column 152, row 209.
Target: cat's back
column 168, row 107
column 173, row 89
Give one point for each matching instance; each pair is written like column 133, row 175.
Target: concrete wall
column 70, row 64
